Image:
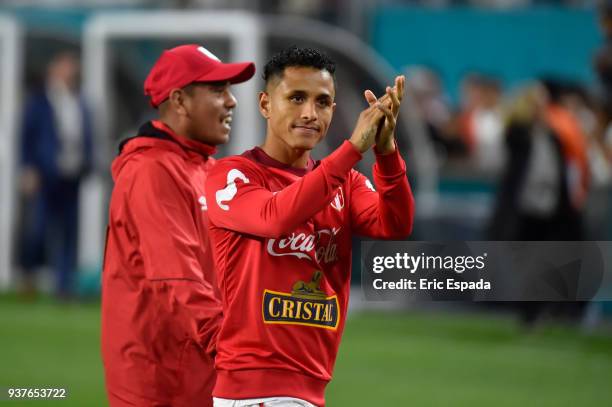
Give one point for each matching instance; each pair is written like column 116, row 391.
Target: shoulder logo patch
column 338, row 201
column 229, row 192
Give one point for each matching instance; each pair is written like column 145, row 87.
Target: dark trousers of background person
column 49, row 233
column 564, row 227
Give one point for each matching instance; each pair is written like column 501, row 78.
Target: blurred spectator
column 480, row 121
column 431, row 107
column 56, row 153
column 577, row 101
column 327, row 10
column 544, row 186
column 499, row 4
column 566, row 125
column 603, row 68
column 543, row 189
column 603, row 58
column 575, row 98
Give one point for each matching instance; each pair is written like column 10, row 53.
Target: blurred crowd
column 546, row 145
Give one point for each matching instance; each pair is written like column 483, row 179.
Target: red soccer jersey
column 282, row 244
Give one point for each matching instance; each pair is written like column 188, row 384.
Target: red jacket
column 160, row 305
column 282, row 243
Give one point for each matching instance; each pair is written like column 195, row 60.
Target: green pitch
column 385, row 359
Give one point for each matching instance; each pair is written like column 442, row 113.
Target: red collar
column 197, row 146
column 262, row 157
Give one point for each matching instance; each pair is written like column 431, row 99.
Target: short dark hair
column 297, row 57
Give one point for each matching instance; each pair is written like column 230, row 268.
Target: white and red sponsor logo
column 321, row 245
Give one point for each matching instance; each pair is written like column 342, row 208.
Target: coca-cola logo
column 327, row 253
column 321, row 245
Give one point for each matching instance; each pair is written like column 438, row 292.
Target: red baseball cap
column 185, row 64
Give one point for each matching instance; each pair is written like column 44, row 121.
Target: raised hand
column 389, row 104
column 364, row 135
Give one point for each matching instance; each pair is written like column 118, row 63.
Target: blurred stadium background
column 482, row 75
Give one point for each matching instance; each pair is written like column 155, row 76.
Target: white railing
column 10, row 85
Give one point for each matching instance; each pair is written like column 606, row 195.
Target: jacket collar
column 158, row 130
column 194, row 145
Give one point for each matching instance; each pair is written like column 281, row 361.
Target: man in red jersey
column 161, row 309
column 281, row 227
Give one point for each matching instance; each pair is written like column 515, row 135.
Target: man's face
column 299, row 106
column 65, row 68
column 209, row 109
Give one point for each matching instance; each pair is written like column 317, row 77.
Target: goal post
column 11, row 55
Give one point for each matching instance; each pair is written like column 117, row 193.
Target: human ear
column 177, row 101
column 264, row 104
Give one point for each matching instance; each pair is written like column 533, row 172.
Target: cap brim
column 234, row 73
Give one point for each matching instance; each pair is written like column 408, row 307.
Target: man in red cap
column 160, row 305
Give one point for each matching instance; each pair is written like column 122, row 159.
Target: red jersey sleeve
column 238, row 199
column 161, row 222
column 388, row 211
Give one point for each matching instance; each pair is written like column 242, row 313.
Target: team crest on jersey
column 306, row 304
column 338, row 202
